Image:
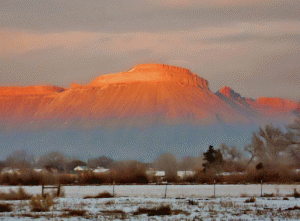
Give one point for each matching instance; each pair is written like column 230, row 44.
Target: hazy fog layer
column 135, row 143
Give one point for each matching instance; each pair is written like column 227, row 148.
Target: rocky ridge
column 148, row 92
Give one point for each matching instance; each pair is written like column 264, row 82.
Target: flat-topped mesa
column 152, row 73
column 30, row 90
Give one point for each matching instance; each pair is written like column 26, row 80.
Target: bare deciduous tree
column 20, row 159
column 293, row 136
column 102, row 161
column 267, row 145
column 233, row 158
column 53, row 159
column 189, row 163
column 168, row 163
column 129, row 171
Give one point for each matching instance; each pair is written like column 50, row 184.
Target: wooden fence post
column 261, row 182
column 214, row 188
column 51, row 187
column 58, row 191
column 166, row 189
column 114, row 189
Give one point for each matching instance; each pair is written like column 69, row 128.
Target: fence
column 58, row 187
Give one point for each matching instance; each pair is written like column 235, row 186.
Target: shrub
column 20, row 194
column 94, row 178
column 40, row 204
column 29, row 178
column 109, row 202
column 129, row 172
column 271, row 174
column 163, row 210
column 192, row 202
column 5, row 207
column 66, row 179
column 100, row 195
column 75, row 212
column 296, row 194
column 202, row 177
column 251, row 200
column 268, row 195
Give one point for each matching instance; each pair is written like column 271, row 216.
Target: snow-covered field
column 186, row 202
column 173, row 191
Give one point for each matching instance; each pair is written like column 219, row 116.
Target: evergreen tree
column 214, row 159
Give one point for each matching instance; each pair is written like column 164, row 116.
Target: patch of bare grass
column 268, row 195
column 192, row 203
column 110, row 202
column 163, row 210
column 114, row 214
column 100, row 195
column 41, row 204
column 5, row 207
column 30, row 215
column 244, row 195
column 296, row 193
column 74, row 212
column 251, row 200
column 226, row 204
column 20, row 194
column 293, row 208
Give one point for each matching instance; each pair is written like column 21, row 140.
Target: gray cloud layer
column 252, row 46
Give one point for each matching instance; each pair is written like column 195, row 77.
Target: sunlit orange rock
column 153, row 73
column 276, row 103
column 264, row 107
column 145, row 94
column 30, row 90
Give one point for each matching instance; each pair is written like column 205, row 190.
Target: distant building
column 38, row 170
column 296, row 170
column 230, row 173
column 50, row 169
column 9, row 170
column 81, row 168
column 160, row 175
column 100, row 170
column 185, row 174
column 155, row 175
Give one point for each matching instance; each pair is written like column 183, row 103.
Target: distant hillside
column 145, row 95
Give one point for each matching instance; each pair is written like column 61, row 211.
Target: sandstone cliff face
column 22, row 103
column 276, row 103
column 31, row 90
column 149, row 92
column 153, row 73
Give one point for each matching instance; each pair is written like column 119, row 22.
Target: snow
column 173, row 191
column 187, row 202
column 100, row 170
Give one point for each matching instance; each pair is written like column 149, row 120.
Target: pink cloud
column 19, row 41
column 16, row 42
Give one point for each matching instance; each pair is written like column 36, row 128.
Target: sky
column 251, row 46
